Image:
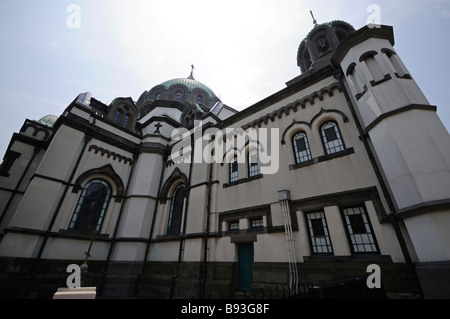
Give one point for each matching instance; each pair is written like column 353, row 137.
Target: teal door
column 245, row 261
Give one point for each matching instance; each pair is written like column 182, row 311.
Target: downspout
column 35, row 152
column 205, row 245
column 283, row 197
column 384, row 188
column 116, row 228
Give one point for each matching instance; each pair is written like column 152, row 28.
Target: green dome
column 191, row 84
column 48, row 120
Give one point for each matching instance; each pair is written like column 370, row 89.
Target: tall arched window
column 117, row 116
column 302, row 151
column 234, row 173
column 332, row 138
column 253, row 163
column 176, row 211
column 91, row 207
column 126, row 120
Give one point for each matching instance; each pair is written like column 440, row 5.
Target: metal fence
column 337, row 288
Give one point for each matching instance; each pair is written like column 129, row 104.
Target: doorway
column 245, row 265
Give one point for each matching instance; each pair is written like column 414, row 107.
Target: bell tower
column 411, row 145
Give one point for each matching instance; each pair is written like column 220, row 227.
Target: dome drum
column 320, row 43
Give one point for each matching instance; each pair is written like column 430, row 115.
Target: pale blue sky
column 245, row 50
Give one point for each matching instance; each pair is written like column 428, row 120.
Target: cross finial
column 157, row 126
column 192, row 73
column 312, row 15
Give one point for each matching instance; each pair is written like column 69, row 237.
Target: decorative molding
column 107, row 170
column 37, row 129
column 108, row 153
column 295, row 105
column 315, row 117
column 177, row 175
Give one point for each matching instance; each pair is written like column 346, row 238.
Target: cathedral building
column 178, row 195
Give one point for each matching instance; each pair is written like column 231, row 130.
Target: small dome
column 191, row 84
column 320, row 43
column 48, row 120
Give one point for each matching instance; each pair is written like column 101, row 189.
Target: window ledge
column 387, row 77
column 81, row 234
column 323, row 158
column 243, row 180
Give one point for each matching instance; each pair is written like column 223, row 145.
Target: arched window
column 399, row 67
column 158, row 96
column 126, row 120
column 117, row 116
column 199, row 99
column 332, row 138
column 176, row 211
column 91, row 207
column 253, row 163
column 234, row 173
column 178, row 96
column 302, row 151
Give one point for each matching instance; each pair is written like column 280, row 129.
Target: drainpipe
column 283, row 198
column 392, row 216
column 205, row 246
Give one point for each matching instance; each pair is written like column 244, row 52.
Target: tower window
column 331, row 138
column 302, row 151
column 126, row 120
column 117, row 116
column 355, row 80
column 91, row 207
column 178, row 96
column 158, row 96
column 176, row 211
column 399, row 67
column 199, row 99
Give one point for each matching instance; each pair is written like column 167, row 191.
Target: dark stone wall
column 27, row 278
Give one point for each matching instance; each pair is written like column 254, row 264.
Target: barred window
column 359, row 230
column 253, row 163
column 234, row 173
column 233, row 226
column 318, row 233
column 91, row 207
column 332, row 138
column 302, row 151
column 257, row 223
